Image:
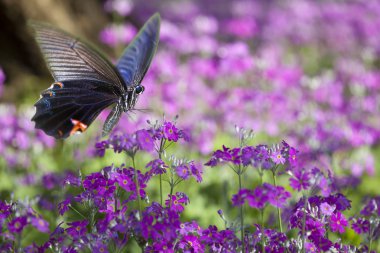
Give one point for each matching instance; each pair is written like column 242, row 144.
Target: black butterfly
column 86, row 82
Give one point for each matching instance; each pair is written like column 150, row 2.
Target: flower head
column 17, row 224
column 77, row 229
column 338, row 222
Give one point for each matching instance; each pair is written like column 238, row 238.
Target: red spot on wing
column 77, row 126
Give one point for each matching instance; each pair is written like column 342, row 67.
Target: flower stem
column 278, row 209
column 160, row 156
column 370, row 238
column 262, row 229
column 304, row 225
column 241, row 214
column 137, row 186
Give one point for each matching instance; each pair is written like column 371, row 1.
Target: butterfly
column 86, row 82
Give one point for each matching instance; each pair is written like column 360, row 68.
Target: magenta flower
column 144, row 140
column 41, row 224
column 125, row 182
column 170, row 131
column 77, row 229
column 17, row 224
column 338, row 222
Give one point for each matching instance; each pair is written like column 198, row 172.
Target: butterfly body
column 86, row 82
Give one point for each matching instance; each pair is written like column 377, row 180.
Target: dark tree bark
column 19, row 55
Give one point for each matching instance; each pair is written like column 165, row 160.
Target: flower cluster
column 220, row 67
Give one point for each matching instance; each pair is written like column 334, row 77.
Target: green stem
column 160, row 156
column 137, row 186
column 304, row 225
column 171, row 192
column 262, row 233
column 370, row 238
column 278, row 209
column 241, row 214
column 75, row 210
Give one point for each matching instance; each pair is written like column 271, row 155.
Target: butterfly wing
column 70, row 107
column 136, row 58
column 86, row 83
column 71, row 59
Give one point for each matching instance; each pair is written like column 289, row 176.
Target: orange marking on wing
column 58, row 83
column 78, row 126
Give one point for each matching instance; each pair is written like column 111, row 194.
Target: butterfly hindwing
column 70, row 107
column 136, row 58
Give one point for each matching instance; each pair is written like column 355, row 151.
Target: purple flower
column 100, row 148
column 157, row 166
column 338, row 222
column 340, row 201
column 17, row 224
column 239, row 198
column 183, row 171
column 176, row 202
column 293, row 156
column 77, row 229
column 225, row 155
column 190, row 243
column 361, row 226
column 5, row 210
column 40, row 224
column 310, row 247
column 326, row 209
column 258, row 198
column 144, row 140
column 277, row 157
column 170, row 131
column 277, row 195
column 372, row 207
column 300, row 181
column 100, row 247
column 196, row 171
column 125, row 182
column 63, row 206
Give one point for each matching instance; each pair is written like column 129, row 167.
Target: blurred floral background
column 307, row 72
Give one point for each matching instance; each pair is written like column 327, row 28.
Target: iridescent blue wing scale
column 136, row 58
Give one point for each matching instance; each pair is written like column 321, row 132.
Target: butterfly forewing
column 71, row 59
column 136, row 58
